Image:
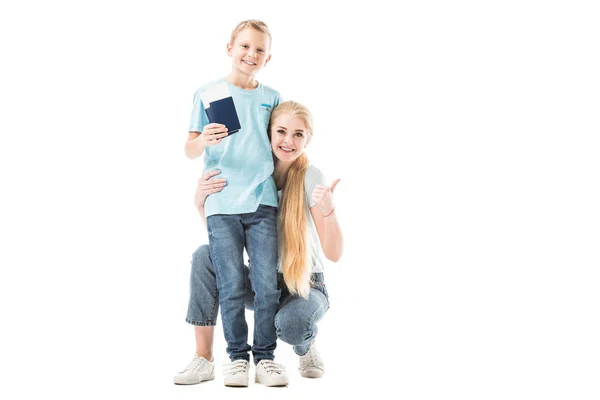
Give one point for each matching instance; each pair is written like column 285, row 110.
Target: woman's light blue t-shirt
column 244, row 158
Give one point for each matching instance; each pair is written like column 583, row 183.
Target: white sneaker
column 200, row 369
column 311, row 365
column 270, row 373
column 236, row 373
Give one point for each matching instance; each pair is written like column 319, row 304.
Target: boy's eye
column 261, row 51
column 245, row 46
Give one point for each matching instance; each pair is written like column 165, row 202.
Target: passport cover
column 223, row 112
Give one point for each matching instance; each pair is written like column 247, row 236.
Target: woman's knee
column 292, row 330
column 201, row 258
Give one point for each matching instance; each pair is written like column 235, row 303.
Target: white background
column 466, row 137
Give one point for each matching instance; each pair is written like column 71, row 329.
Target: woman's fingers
column 209, row 175
column 334, row 184
column 211, row 185
column 208, row 185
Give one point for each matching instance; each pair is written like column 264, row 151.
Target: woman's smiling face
column 289, row 137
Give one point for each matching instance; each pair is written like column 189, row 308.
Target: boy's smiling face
column 249, row 51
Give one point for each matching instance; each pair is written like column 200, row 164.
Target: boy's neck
column 280, row 173
column 245, row 82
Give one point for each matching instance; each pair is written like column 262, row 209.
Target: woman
column 308, row 230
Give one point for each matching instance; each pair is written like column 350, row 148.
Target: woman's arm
column 207, row 186
column 326, row 222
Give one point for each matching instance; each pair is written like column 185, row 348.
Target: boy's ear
column 267, row 60
column 229, row 48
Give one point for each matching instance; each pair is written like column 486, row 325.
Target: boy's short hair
column 254, row 24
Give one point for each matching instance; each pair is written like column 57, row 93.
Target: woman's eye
column 261, row 51
column 300, row 134
column 281, row 132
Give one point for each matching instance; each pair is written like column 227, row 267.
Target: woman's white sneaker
column 236, row 373
column 200, row 369
column 270, row 373
column 311, row 365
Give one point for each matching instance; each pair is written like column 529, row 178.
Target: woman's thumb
column 334, row 184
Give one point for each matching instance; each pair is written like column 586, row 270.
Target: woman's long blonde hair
column 296, row 257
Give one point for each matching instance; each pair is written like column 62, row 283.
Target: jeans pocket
column 320, row 286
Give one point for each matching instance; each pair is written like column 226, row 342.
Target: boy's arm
column 198, row 141
column 201, row 132
column 194, row 147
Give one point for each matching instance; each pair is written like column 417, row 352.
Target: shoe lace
column 273, row 367
column 236, row 367
column 195, row 364
column 311, row 358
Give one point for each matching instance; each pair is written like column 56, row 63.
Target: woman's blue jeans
column 296, row 319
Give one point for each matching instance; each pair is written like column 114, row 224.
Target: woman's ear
column 229, row 48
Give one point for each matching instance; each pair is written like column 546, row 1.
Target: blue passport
column 223, row 112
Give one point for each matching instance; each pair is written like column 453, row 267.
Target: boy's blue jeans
column 227, row 235
column 295, row 321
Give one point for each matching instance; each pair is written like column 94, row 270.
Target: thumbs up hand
column 323, row 196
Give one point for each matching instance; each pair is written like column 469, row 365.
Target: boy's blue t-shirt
column 244, row 158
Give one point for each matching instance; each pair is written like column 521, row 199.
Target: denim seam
column 312, row 318
column 200, row 323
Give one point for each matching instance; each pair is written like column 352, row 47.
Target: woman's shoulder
column 313, row 176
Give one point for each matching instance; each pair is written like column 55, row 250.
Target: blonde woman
column 308, row 232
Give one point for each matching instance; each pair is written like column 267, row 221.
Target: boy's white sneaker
column 200, row 369
column 270, row 373
column 236, row 373
column 311, row 365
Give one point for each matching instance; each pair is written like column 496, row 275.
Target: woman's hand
column 212, row 134
column 207, row 186
column 323, row 196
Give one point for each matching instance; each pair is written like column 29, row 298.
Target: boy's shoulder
column 210, row 84
column 269, row 90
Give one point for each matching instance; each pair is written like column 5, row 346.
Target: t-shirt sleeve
column 312, row 178
column 199, row 119
column 277, row 100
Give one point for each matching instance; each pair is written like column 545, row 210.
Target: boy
column 244, row 213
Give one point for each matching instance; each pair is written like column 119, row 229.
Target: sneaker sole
column 236, row 384
column 205, row 377
column 312, row 373
column 272, row 384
